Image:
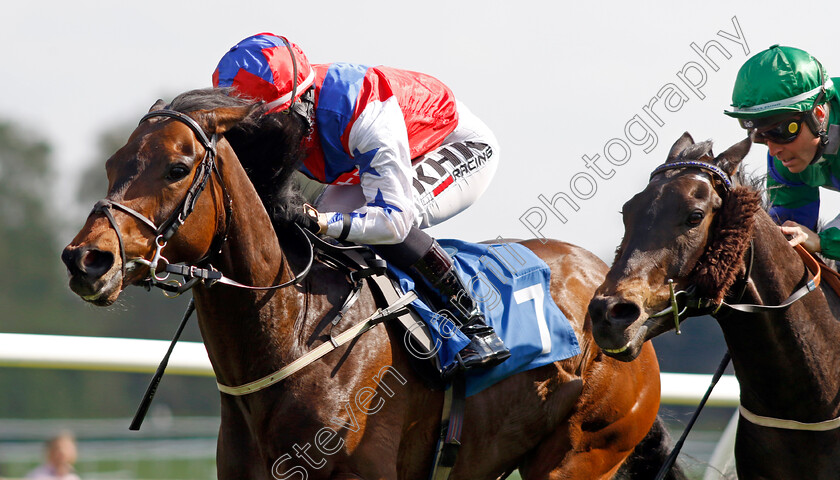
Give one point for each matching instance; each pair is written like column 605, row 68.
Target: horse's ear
column 158, row 105
column 732, row 157
column 220, row 120
column 681, row 144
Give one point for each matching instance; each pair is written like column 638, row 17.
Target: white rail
column 190, row 358
column 99, row 353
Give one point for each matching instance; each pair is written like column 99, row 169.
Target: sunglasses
column 785, row 131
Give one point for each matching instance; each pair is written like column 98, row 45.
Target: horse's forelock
column 702, row 152
column 697, row 152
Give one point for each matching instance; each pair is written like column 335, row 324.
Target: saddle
column 361, row 264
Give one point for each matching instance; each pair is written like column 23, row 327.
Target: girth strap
column 451, row 426
column 382, row 287
column 356, row 257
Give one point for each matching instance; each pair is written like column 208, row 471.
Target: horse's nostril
column 87, row 261
column 597, row 307
column 624, row 311
column 90, row 259
column 95, row 262
column 68, row 257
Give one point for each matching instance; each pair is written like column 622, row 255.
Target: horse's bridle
column 170, row 226
column 695, row 305
column 167, row 229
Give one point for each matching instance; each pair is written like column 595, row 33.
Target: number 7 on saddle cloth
column 511, row 287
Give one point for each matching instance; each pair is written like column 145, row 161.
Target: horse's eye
column 695, row 217
column 177, row 172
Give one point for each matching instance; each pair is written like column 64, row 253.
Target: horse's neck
column 797, row 348
column 248, row 332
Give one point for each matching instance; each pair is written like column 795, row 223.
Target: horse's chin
column 634, row 337
column 623, row 349
column 102, row 292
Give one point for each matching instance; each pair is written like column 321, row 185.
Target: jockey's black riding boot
column 485, row 349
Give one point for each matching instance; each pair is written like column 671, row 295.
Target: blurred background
column 556, row 82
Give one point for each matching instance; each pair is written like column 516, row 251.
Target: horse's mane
column 268, row 146
column 209, row 99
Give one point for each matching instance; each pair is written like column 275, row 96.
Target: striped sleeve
column 790, row 198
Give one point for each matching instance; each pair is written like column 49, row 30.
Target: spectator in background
column 60, row 454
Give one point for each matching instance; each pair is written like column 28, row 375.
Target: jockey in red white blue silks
column 392, row 152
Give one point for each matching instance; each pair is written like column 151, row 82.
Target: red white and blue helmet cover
column 261, row 67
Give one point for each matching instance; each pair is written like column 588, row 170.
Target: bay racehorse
column 697, row 238
column 360, row 412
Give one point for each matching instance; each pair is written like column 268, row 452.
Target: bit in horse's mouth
column 616, row 350
column 102, row 296
column 639, row 334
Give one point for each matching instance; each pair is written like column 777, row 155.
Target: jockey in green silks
column 787, row 101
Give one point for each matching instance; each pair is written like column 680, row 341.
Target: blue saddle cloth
column 511, row 286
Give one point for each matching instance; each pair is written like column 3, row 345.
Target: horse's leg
column 650, row 455
column 236, row 455
column 614, row 413
column 571, row 454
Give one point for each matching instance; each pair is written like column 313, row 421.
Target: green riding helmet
column 777, row 82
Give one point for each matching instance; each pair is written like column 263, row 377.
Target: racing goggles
column 781, row 132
